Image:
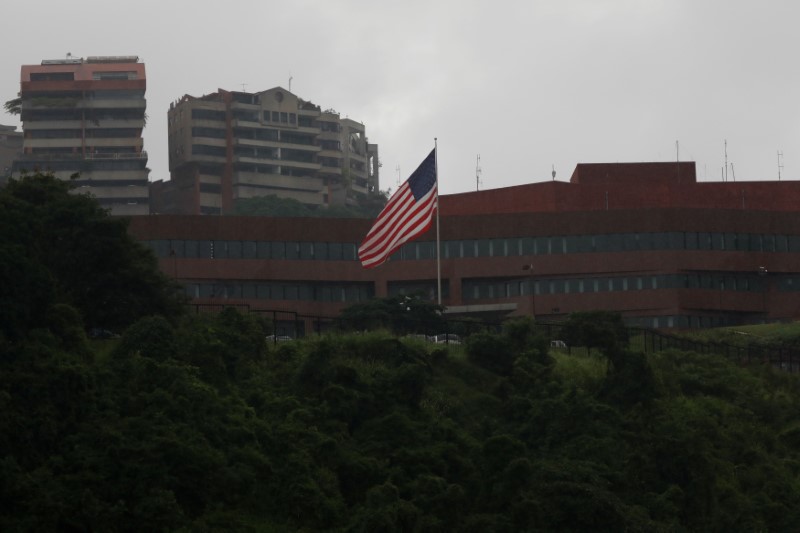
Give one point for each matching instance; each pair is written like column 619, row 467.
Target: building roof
column 616, row 186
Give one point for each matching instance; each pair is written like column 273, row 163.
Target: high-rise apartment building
column 227, row 146
column 85, row 117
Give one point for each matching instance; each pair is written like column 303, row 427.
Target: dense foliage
column 202, row 425
column 62, row 248
column 369, row 205
column 401, row 314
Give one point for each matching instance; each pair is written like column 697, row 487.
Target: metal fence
column 286, row 325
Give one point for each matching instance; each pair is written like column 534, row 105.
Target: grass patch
column 582, row 371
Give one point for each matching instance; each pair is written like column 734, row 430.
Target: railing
column 292, row 324
column 777, row 355
column 81, row 157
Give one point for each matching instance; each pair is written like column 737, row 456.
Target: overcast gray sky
column 528, row 85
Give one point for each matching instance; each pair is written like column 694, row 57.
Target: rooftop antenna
column 398, row 175
column 725, row 178
column 244, row 86
column 780, row 164
column 478, row 173
column 677, row 152
column 733, row 173
column 290, row 83
column 553, row 173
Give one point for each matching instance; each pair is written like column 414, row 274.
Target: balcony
column 278, row 181
column 330, row 136
column 119, row 103
column 84, row 157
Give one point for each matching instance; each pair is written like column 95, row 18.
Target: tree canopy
column 200, row 425
column 369, row 207
column 61, row 247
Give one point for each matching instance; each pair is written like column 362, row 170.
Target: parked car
column 559, row 344
column 278, row 338
column 418, row 336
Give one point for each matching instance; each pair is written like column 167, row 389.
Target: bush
column 492, row 352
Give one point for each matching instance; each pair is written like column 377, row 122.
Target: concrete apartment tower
column 85, row 117
column 227, row 146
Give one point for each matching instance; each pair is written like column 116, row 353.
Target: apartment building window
column 214, row 133
column 328, row 162
column 204, row 149
column 112, row 133
column 245, row 98
column 115, row 75
column 53, row 134
column 208, row 114
column 212, row 188
column 117, row 95
column 330, row 145
column 52, row 76
column 244, row 114
column 333, row 127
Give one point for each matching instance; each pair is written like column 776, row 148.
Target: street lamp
column 529, row 268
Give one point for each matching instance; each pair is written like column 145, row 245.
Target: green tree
column 94, row 264
column 14, row 106
column 402, row 314
column 272, row 206
column 596, row 329
column 369, row 206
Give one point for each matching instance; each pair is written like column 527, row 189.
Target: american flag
column 407, row 215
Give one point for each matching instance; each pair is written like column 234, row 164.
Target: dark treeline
column 195, row 423
column 203, row 426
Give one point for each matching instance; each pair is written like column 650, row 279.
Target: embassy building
column 643, row 239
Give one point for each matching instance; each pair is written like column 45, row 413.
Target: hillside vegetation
column 203, row 426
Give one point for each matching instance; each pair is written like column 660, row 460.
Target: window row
column 331, row 251
column 684, row 321
column 525, row 246
column 78, row 133
column 482, row 289
column 616, row 242
column 306, row 291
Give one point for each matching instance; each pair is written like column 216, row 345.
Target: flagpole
column 438, row 248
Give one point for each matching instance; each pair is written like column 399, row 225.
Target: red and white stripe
column 401, row 220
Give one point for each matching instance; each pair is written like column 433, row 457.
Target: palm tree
column 14, row 106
